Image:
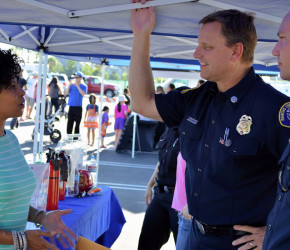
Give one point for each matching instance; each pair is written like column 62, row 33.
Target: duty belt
column 218, row 231
column 163, row 188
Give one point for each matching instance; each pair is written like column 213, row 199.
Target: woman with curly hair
column 17, row 181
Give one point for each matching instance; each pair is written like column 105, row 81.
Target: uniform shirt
column 278, row 229
column 233, row 184
column 169, row 148
column 17, row 183
column 75, row 98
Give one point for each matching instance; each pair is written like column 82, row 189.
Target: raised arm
column 141, row 82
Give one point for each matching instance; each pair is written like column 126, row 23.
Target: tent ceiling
column 102, row 28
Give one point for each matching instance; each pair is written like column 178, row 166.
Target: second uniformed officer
column 277, row 230
column 231, row 137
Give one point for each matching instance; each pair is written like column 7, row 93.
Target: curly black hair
column 9, row 68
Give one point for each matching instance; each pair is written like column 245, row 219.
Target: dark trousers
column 198, row 241
column 54, row 103
column 160, row 219
column 74, row 116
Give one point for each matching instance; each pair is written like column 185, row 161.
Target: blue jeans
column 184, row 226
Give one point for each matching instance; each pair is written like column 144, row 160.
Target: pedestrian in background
column 54, row 91
column 160, row 90
column 91, row 118
column 76, row 91
column 160, row 218
column 120, row 117
column 200, row 82
column 170, row 87
column 105, row 124
column 31, row 82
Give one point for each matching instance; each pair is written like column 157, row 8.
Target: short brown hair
column 237, row 27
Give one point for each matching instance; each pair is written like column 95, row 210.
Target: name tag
column 192, row 120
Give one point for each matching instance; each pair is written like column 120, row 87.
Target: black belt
column 163, row 188
column 218, row 231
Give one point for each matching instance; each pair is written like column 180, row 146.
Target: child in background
column 120, row 116
column 105, row 124
column 91, row 117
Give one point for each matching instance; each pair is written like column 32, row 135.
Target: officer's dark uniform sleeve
column 171, row 107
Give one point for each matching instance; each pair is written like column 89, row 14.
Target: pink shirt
column 179, row 197
column 122, row 112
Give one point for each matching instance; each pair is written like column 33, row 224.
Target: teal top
column 17, row 183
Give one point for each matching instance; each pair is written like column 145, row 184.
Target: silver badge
column 244, row 126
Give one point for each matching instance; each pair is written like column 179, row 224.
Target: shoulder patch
column 284, row 115
column 186, row 90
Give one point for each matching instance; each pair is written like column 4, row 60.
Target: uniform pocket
column 190, row 135
column 242, row 147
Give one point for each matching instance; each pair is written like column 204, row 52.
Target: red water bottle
column 53, row 186
column 61, row 190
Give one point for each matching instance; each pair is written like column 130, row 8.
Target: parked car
column 94, row 86
column 62, row 79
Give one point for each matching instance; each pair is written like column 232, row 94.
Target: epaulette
column 186, row 90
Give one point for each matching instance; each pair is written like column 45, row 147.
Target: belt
column 164, row 189
column 218, row 231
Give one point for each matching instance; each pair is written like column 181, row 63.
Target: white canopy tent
column 101, row 29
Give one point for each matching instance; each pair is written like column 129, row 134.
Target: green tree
column 97, row 71
column 87, row 69
column 125, row 76
column 70, row 68
column 114, row 76
column 54, row 65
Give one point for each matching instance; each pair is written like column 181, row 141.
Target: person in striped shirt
column 17, row 182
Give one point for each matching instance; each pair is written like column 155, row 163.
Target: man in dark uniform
column 160, row 219
column 278, row 228
column 230, row 133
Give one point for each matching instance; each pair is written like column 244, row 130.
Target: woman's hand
column 36, row 242
column 148, row 195
column 52, row 222
column 185, row 213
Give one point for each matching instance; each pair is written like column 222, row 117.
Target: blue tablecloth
column 97, row 218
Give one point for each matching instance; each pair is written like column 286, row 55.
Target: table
column 97, row 218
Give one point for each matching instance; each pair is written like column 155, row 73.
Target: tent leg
column 36, row 128
column 42, row 112
column 134, row 135
column 100, row 117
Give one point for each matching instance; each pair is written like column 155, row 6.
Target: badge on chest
column 244, row 126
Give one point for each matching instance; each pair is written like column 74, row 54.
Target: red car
column 94, row 86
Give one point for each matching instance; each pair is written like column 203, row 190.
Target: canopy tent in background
column 101, row 29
